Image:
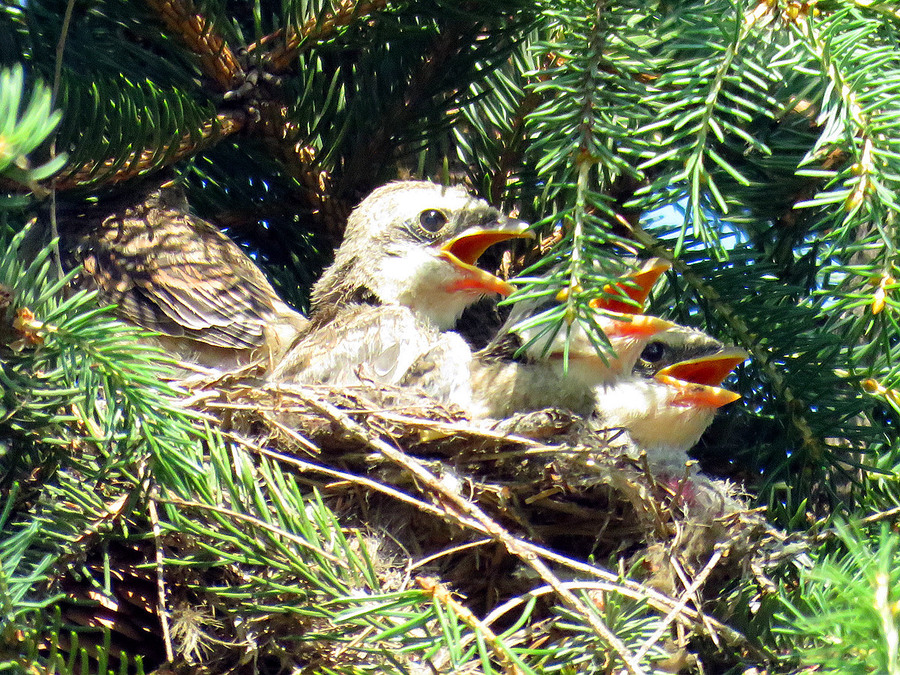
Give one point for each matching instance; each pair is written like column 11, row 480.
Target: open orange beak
column 464, row 250
column 697, row 380
column 625, row 325
column 635, row 288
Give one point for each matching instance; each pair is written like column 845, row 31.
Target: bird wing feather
column 181, row 277
column 361, row 343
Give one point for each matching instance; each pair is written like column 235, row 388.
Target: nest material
column 498, row 516
column 483, row 517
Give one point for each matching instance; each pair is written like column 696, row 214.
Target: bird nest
column 489, row 518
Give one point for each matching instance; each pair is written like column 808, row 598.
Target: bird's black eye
column 432, row 220
column 653, row 352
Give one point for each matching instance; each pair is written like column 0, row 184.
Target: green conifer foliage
column 753, row 143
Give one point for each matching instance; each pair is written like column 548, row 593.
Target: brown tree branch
column 315, row 30
column 211, row 132
column 218, row 62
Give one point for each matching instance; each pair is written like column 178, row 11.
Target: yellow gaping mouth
column 697, row 380
column 464, row 250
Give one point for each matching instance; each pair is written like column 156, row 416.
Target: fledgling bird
column 402, row 276
column 672, row 395
column 504, row 383
column 523, row 368
column 172, row 272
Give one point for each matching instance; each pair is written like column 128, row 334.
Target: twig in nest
column 161, row 610
column 450, row 551
column 513, row 545
column 658, row 519
column 292, row 434
column 690, row 593
column 304, row 465
column 440, row 594
column 469, row 429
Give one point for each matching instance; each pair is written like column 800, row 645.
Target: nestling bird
column 524, row 368
column 503, row 383
column 174, row 273
column 403, row 274
column 661, row 387
column 672, row 395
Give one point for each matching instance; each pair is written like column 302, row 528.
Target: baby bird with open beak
column 672, row 395
column 667, row 394
column 403, row 275
column 661, row 386
column 522, row 369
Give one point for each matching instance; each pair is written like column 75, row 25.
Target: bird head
column 627, row 335
column 673, row 393
column 615, row 312
column 415, row 243
column 576, row 345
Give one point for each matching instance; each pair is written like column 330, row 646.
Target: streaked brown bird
column 172, row 272
column 402, row 276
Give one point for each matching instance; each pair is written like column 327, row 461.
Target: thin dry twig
column 690, row 593
column 450, row 551
column 160, row 582
column 441, row 594
column 513, row 545
column 304, row 465
column 682, row 575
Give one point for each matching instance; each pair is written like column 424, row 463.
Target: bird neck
column 419, row 280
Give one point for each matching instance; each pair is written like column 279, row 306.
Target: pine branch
column 119, row 167
column 316, row 29
column 579, row 149
column 23, row 131
column 363, row 165
column 842, row 618
column 198, row 34
column 724, row 93
column 457, row 52
column 492, row 142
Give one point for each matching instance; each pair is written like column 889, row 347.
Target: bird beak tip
column 698, row 380
column 636, row 325
column 630, row 295
column 695, row 394
column 708, row 370
column 473, row 279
